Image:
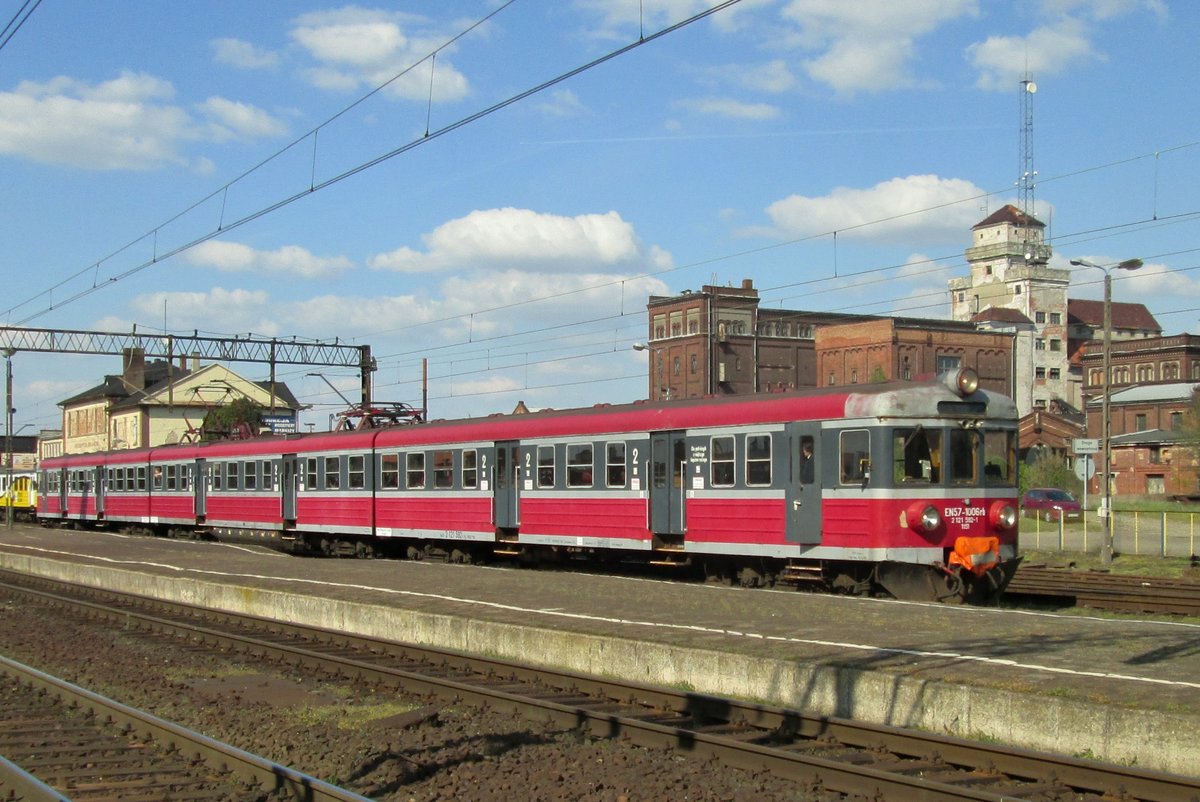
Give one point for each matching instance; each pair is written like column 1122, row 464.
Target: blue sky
column 836, row 153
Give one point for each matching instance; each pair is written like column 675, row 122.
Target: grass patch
column 1127, row 564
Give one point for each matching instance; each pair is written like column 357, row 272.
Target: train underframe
column 906, row 581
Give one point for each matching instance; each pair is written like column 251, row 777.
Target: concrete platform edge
column 1150, row 739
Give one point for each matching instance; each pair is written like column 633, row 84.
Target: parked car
column 1048, row 503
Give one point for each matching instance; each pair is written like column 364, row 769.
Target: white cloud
column 218, row 309
column 867, row 45
column 234, row 257
column 240, row 119
column 357, row 48
column 245, row 55
column 527, row 240
column 1002, row 61
column 919, row 208
column 123, row 124
column 735, row 109
column 561, row 103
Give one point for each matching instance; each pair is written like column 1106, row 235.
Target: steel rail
column 240, row 763
column 744, row 721
column 1107, row 591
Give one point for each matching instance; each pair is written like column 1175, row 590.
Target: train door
column 506, row 490
column 668, row 477
column 96, row 479
column 804, row 483
column 200, row 481
column 289, row 484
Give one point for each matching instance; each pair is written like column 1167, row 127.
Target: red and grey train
column 901, row 489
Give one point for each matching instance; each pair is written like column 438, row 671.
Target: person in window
column 807, row 467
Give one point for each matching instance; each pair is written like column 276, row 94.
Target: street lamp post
column 1106, row 548
column 655, row 349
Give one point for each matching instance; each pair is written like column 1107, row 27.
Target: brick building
column 719, row 341
column 1150, row 454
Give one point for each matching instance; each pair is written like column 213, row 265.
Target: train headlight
column 930, row 519
column 963, row 381
column 1003, row 515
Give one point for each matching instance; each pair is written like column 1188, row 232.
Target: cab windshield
column 953, row 457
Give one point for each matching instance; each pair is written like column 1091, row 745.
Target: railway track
column 826, row 755
column 1106, row 591
column 61, row 742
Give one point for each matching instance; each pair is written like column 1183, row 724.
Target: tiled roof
column 1172, row 391
column 1009, row 214
column 1000, row 314
column 1124, row 315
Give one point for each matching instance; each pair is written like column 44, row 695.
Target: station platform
column 1116, row 690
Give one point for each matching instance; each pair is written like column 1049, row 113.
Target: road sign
column 1085, row 445
column 1085, row 467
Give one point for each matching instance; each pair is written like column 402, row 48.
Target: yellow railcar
column 21, row 495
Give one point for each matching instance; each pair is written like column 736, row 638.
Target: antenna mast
column 1025, row 186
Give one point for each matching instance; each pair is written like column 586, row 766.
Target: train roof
column 872, row 401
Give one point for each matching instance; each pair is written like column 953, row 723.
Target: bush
column 1049, row 470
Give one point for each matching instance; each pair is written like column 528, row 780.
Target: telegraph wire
column 14, row 24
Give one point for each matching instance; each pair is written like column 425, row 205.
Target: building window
column 1154, row 455
column 660, row 326
column 694, row 364
column 1055, row 374
column 1156, row 485
column 1039, row 317
column 854, row 375
column 1039, row 344
column 676, row 323
column 1176, row 421
column 1139, row 422
column 1039, row 373
column 676, row 366
column 1017, row 289
column 1055, row 345
column 1056, row 318
column 947, row 363
column 693, row 321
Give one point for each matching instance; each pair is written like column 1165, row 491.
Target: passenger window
column 758, row 459
column 443, row 469
column 856, row 456
column 356, row 472
column 333, row 473
column 470, row 470
column 721, row 462
column 917, row 456
column 389, row 471
column 545, row 455
column 251, row 472
column 310, row 474
column 808, row 473
column 616, row 464
column 416, row 471
column 579, row 466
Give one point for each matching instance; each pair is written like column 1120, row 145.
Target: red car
column 1049, row 503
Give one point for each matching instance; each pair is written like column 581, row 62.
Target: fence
column 1161, row 534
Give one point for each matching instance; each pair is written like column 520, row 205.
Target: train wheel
column 413, row 553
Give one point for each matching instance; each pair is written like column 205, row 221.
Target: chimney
column 133, row 368
column 747, row 284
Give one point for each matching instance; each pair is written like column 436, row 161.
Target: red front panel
column 433, row 512
column 875, row 523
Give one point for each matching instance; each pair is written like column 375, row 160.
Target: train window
column 217, row 472
column 333, row 472
column 416, row 471
column 1000, row 458
column 356, row 472
column 233, row 476
column 141, row 477
column 856, row 456
column 310, row 474
column 251, row 476
column 917, row 456
column 157, row 483
column 721, row 463
column 580, row 465
column 545, row 456
column 616, row 464
column 808, row 472
column 470, row 471
column 962, row 456
column 108, row 479
column 389, row 471
column 758, row 459
column 443, row 468
column 172, row 477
